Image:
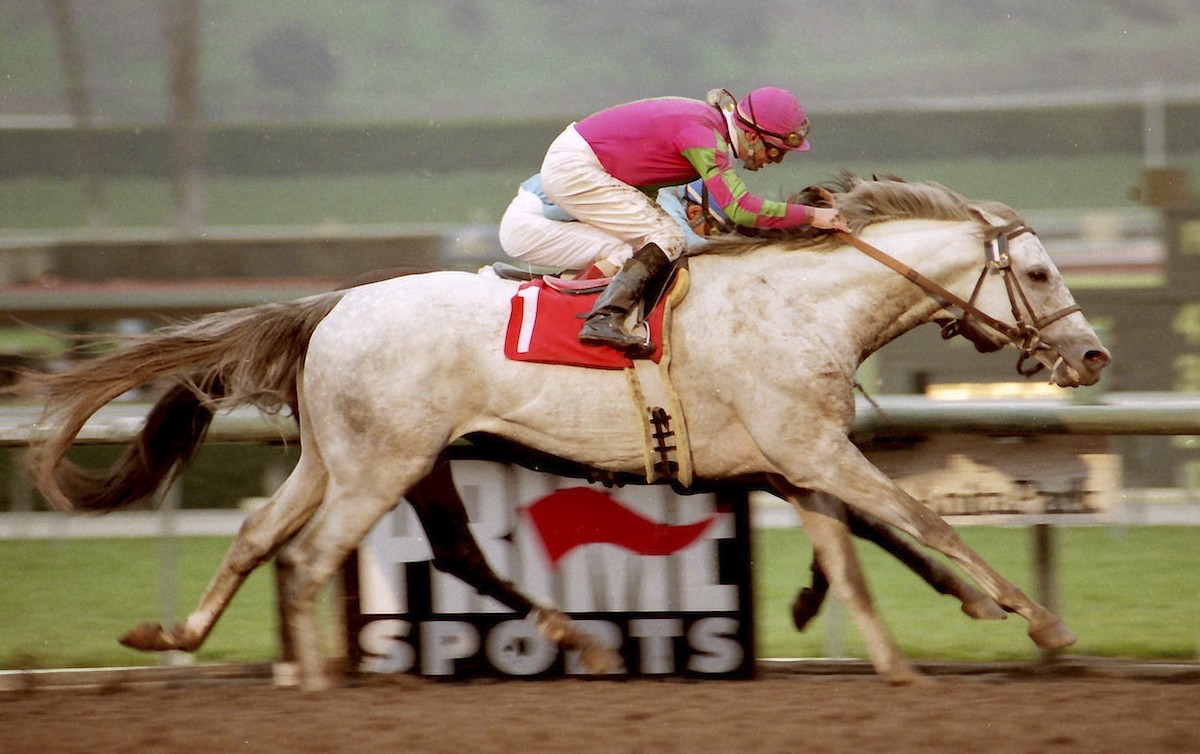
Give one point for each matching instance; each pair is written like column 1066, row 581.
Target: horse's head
column 1003, row 290
column 1020, row 299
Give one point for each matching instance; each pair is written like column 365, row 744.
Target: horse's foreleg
column 866, row 489
column 263, row 532
column 826, row 527
column 935, row 573
column 944, row 580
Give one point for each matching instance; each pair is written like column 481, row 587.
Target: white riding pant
column 574, row 179
column 526, row 234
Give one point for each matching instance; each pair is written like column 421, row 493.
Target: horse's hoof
column 903, row 674
column 285, row 674
column 148, row 637
column 1052, row 635
column 984, row 608
column 553, row 625
column 600, row 659
column 316, row 683
column 805, row 608
column 151, row 637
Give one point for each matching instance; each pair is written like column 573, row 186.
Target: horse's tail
column 222, row 360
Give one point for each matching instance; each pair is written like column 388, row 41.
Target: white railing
column 1111, row 414
column 1107, row 414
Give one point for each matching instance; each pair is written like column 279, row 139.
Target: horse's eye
column 1038, row 275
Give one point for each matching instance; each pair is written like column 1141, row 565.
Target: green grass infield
column 1128, row 592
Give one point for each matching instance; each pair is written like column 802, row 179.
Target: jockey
column 534, row 230
column 603, row 169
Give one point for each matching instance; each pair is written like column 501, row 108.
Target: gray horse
column 764, row 351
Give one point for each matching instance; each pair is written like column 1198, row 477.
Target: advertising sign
column 1005, row 478
column 662, row 578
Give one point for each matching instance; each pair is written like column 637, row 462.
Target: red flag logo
column 568, row 518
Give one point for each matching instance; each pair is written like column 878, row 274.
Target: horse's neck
column 851, row 300
column 948, row 253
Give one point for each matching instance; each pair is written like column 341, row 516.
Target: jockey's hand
column 828, row 218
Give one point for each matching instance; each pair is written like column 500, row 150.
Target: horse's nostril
column 1097, row 358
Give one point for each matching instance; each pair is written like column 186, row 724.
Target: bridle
column 1026, row 331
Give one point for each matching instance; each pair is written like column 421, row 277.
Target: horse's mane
column 863, row 203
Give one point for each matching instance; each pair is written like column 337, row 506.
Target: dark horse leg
column 939, row 576
column 443, row 515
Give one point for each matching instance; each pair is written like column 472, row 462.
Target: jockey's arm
column 743, row 208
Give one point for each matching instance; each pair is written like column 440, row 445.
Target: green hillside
column 337, row 112
column 418, row 59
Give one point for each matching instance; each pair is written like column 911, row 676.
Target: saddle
column 548, row 310
column 560, row 280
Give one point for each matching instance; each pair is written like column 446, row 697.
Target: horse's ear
column 992, row 224
column 984, row 218
column 992, row 213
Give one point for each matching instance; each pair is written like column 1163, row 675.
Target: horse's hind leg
column 263, row 532
column 825, row 525
column 354, row 502
column 443, row 516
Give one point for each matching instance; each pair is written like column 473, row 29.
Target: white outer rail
column 1110, row 414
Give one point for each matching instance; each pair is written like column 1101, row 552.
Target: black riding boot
column 605, row 325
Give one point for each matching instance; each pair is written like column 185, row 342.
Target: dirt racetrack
column 779, row 712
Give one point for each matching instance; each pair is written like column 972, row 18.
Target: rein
column 1025, row 334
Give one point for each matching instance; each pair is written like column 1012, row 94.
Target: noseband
column 1026, row 331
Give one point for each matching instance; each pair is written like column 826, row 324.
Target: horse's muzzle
column 1080, row 372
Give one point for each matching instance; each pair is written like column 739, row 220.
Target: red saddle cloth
column 544, row 327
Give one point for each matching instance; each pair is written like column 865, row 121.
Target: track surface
column 779, row 712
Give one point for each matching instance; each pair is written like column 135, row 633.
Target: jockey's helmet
column 776, row 116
